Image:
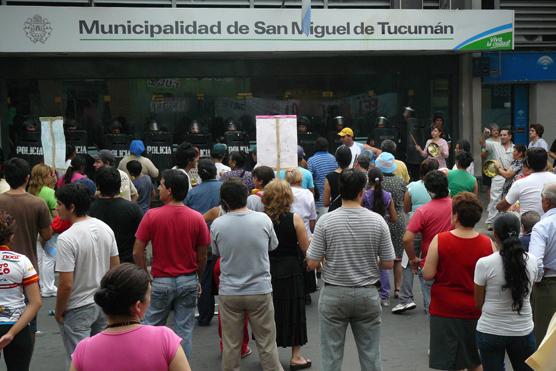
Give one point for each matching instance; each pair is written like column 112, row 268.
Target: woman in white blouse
column 503, row 284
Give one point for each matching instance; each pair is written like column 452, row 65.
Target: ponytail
column 514, row 259
column 375, row 178
column 68, row 175
column 77, row 164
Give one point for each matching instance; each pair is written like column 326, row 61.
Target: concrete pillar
column 541, row 101
column 4, row 129
column 470, row 89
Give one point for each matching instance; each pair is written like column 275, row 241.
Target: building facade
column 183, row 67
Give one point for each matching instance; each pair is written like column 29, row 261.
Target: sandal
column 397, row 293
column 302, row 366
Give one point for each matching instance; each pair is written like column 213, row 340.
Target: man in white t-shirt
column 501, row 152
column 218, row 152
column 347, row 138
column 528, row 190
column 86, row 251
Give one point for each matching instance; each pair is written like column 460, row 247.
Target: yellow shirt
column 401, row 171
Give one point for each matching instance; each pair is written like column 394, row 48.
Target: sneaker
column 385, row 302
column 247, row 354
column 400, row 308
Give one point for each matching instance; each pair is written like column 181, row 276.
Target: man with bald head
column 543, row 247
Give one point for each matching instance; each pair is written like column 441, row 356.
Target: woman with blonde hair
column 43, row 179
column 304, row 206
column 286, row 270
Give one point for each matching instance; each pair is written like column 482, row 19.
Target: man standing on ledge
column 180, row 238
column 352, row 239
column 502, row 152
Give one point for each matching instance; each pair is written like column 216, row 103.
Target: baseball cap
column 219, row 149
column 386, row 163
column 89, row 184
column 105, row 155
column 346, row 131
column 300, row 152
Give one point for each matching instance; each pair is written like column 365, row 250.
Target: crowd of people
column 128, row 254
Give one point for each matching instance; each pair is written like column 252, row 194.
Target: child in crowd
column 380, row 201
column 528, row 221
column 143, row 184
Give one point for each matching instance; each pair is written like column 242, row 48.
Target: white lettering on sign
column 205, row 152
column 238, row 148
column 81, row 149
column 120, row 152
column 159, row 150
column 28, row 150
column 200, row 30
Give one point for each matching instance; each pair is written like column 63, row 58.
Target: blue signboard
column 515, row 67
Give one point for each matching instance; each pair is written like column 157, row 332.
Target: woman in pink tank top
column 451, row 263
column 126, row 345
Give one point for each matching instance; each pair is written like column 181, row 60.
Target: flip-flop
column 295, row 367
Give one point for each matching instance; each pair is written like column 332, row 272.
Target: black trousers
column 205, row 304
column 18, row 353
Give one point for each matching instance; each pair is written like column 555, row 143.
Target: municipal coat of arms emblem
column 38, row 29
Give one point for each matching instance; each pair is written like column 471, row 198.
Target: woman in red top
column 451, row 263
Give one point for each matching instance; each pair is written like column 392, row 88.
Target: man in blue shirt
column 206, row 195
column 320, row 165
column 543, row 247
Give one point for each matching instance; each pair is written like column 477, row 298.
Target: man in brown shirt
column 30, row 212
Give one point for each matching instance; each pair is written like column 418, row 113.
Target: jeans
column 360, row 308
column 180, row 295
column 492, row 349
column 384, row 284
column 80, row 323
column 406, row 291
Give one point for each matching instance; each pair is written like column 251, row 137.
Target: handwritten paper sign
column 53, row 142
column 277, row 141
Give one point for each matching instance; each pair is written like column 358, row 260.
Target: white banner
column 27, row 29
column 53, row 142
column 277, row 141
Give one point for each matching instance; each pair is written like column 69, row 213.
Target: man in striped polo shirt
column 320, row 165
column 351, row 240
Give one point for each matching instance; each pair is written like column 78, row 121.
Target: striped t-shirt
column 351, row 240
column 320, row 165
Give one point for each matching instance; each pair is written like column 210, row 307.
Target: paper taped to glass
column 53, row 142
column 277, row 141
